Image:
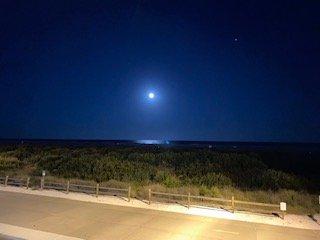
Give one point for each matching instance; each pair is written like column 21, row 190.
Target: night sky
column 219, row 70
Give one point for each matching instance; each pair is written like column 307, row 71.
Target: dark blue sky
column 221, row 70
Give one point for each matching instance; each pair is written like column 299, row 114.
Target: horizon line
column 160, row 140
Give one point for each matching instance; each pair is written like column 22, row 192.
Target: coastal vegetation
column 246, row 175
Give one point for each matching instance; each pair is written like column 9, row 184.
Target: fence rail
column 257, row 204
column 54, row 185
column 82, row 188
column 186, row 199
column 211, row 199
column 168, row 194
column 16, row 182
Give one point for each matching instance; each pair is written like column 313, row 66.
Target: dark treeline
column 170, row 167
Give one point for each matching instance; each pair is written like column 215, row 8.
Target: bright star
column 151, row 95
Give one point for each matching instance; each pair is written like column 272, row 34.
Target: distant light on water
column 155, row 142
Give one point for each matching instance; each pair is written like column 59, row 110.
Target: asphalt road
column 101, row 221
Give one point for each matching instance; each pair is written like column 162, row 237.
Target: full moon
column 151, row 95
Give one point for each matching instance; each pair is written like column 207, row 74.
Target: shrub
column 9, row 163
column 213, row 179
column 167, row 179
column 276, row 180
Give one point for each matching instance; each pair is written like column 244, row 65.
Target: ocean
column 214, row 145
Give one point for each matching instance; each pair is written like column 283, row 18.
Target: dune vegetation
column 247, row 176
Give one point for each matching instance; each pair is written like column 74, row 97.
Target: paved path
column 11, row 232
column 101, row 221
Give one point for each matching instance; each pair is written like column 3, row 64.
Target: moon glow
column 151, row 95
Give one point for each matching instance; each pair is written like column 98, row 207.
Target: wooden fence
column 203, row 201
column 67, row 187
column 184, row 199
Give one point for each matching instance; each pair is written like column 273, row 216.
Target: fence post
column 149, row 196
column 188, row 200
column 42, row 183
column 28, row 182
column 6, row 181
column 42, row 179
column 97, row 190
column 129, row 193
column 283, row 208
column 68, row 186
column 232, row 203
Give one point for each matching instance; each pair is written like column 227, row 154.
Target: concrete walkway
column 10, row 232
column 101, row 221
